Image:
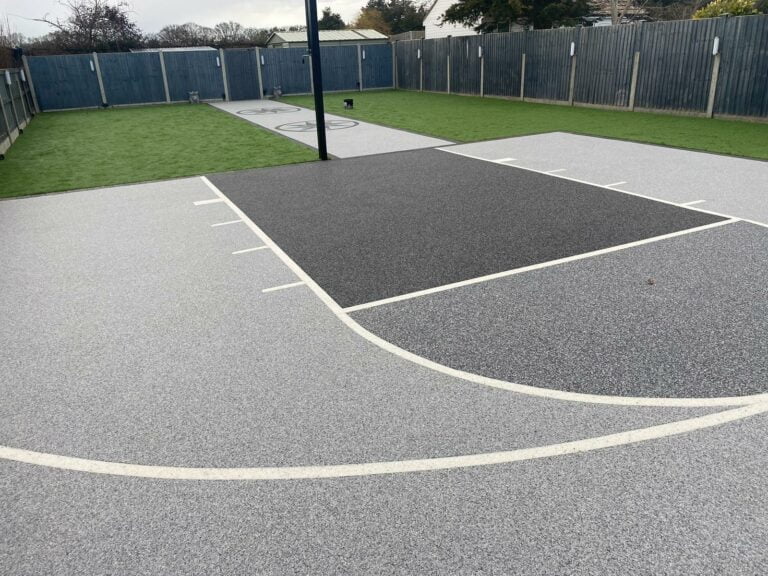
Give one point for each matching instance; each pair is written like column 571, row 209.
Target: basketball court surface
column 540, row 355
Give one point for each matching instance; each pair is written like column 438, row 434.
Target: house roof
column 328, row 36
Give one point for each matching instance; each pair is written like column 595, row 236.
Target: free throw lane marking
column 225, row 223
column 250, row 250
column 283, row 287
column 378, row 468
column 348, row 321
column 204, row 202
column 532, row 267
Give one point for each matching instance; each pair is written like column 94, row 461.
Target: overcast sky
column 151, row 15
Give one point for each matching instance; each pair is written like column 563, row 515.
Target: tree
column 730, row 7
column 94, row 25
column 396, row 15
column 489, row 15
column 330, row 21
column 228, row 34
column 372, row 19
column 184, row 35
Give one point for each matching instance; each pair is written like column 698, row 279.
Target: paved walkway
column 346, row 138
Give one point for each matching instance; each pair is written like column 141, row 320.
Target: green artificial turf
column 470, row 119
column 91, row 148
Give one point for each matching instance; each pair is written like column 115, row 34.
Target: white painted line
column 692, row 203
column 378, row 468
column 204, row 202
column 468, row 376
column 225, row 223
column 555, row 171
column 615, row 184
column 283, row 287
column 763, row 224
column 532, row 267
column 250, row 250
column 506, row 160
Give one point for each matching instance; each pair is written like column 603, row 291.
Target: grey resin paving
column 376, row 227
column 132, row 333
column 345, row 138
column 732, row 186
column 692, row 504
column 598, row 326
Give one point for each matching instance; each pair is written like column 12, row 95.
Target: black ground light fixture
column 313, row 43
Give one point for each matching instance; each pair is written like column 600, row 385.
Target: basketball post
column 313, row 43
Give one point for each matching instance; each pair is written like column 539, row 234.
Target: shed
column 327, row 38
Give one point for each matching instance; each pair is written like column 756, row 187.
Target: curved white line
column 377, row 468
column 468, row 376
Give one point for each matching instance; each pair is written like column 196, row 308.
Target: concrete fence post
column 633, row 83
column 25, row 63
column 359, row 68
column 448, row 70
column 572, row 80
column 481, row 56
column 97, row 68
column 224, row 74
column 420, row 54
column 522, row 78
column 258, row 73
column 165, row 77
column 395, row 83
column 713, row 82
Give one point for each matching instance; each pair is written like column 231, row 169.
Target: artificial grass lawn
column 92, row 148
column 470, row 119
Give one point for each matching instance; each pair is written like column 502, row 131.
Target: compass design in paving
column 266, row 111
column 312, row 126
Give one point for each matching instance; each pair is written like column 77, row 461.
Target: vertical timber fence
column 132, row 78
column 16, row 106
column 702, row 67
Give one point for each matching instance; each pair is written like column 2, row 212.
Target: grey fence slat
column 132, row 78
column 408, row 66
column 604, row 65
column 548, row 63
column 5, row 98
column 339, row 67
column 242, row 74
column 65, row 82
column 465, row 64
column 435, row 55
column 676, row 65
column 743, row 83
column 377, row 66
column 196, row 71
column 287, row 68
column 503, row 55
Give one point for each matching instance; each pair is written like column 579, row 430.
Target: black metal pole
column 313, row 42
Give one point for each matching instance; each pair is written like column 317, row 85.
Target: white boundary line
column 556, row 171
column 615, row 184
column 378, row 468
column 204, row 202
column 692, row 203
column 727, row 216
column 468, row 376
column 249, row 250
column 532, row 267
column 283, row 286
column 225, row 223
